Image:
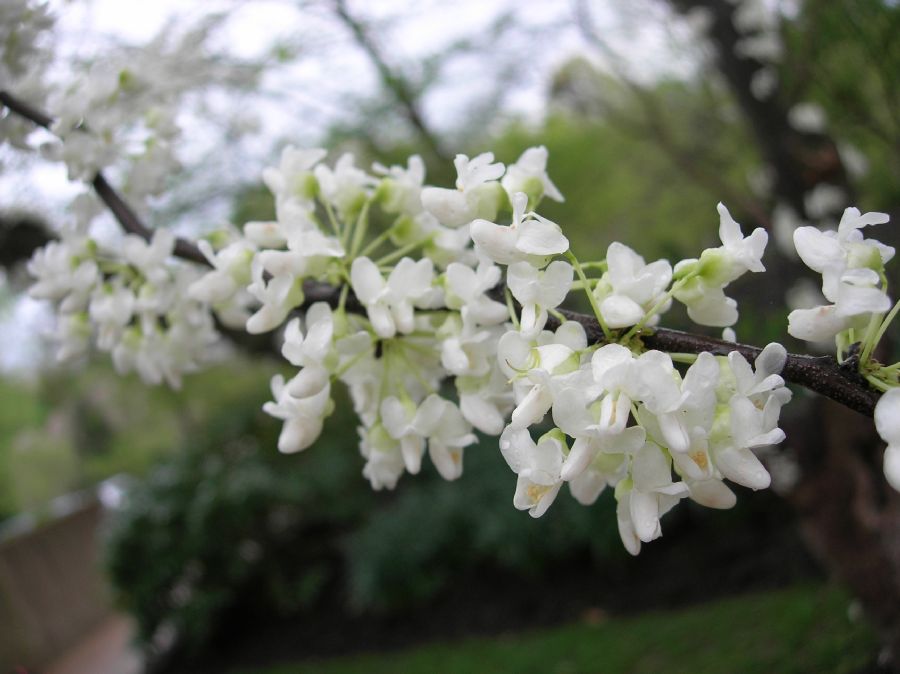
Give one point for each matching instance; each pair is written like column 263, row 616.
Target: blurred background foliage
column 218, row 526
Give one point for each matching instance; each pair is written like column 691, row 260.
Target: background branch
column 398, row 85
column 125, row 215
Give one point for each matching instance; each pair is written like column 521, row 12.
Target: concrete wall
column 52, row 590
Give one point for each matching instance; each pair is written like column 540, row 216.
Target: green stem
column 877, row 383
column 353, row 361
column 688, row 358
column 362, row 224
column 884, row 326
column 678, row 285
column 374, row 244
column 400, row 252
column 593, row 301
column 332, row 218
column 868, row 342
column 511, row 307
column 345, row 289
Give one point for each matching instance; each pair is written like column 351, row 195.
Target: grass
column 801, row 629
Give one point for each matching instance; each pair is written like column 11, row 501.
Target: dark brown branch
column 822, row 374
column 108, row 195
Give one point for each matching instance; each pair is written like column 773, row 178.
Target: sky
column 300, row 100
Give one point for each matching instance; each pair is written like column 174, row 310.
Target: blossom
column 887, row 422
column 401, row 189
column 293, row 180
column 475, row 195
column 529, row 237
column 448, row 434
column 302, row 404
column 851, row 268
column 537, row 466
column 390, row 304
column 702, row 282
column 630, row 287
column 278, row 295
column 467, row 291
column 529, row 175
column 345, row 186
column 537, row 291
column 646, row 497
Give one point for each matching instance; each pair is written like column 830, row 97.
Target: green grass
column 802, row 629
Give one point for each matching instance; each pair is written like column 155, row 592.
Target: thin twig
column 126, row 216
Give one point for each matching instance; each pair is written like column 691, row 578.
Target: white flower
column 149, row 257
column 649, row 496
column 308, row 255
column 529, row 175
column 887, row 422
column 466, row 291
column 529, row 237
column 62, row 276
column 384, row 460
column 474, row 195
column 345, row 186
column 630, row 287
column 293, row 180
column 466, row 351
column 398, row 417
column 447, row 431
column 302, row 403
column 741, row 253
column 231, row 271
column 703, row 293
column 314, row 348
column 401, row 190
column 278, row 296
column 538, row 291
column 389, row 305
column 537, row 465
column 485, row 402
column 851, row 268
column 540, row 371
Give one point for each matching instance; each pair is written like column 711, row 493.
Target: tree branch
column 396, row 84
column 108, row 195
column 821, row 374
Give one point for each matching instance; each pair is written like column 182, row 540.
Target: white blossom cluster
column 130, row 301
column 860, row 310
column 430, row 353
column 853, row 280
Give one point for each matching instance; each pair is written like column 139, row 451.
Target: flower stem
column 373, row 245
column 659, row 305
column 400, row 252
column 880, row 333
column 593, row 300
column 511, row 307
column 359, row 233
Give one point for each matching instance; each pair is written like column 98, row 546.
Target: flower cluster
column 130, row 301
column 853, row 280
column 417, row 329
column 622, row 415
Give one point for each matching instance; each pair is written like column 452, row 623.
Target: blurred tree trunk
column 848, row 513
